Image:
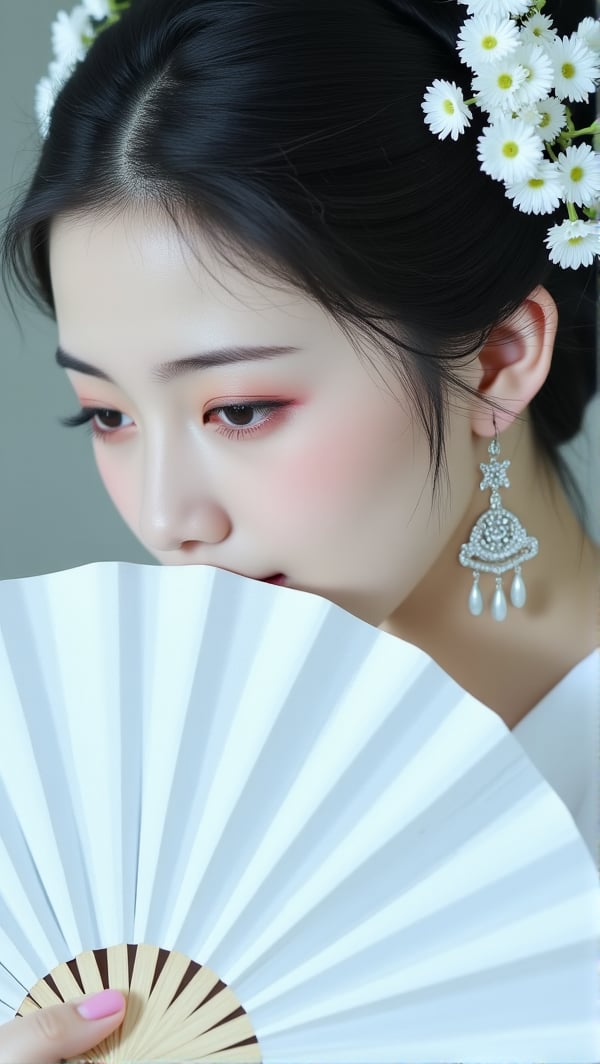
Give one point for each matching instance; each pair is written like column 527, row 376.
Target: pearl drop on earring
column 518, row 591
column 476, row 598
column 499, row 607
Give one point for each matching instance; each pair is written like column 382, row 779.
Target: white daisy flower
column 485, row 40
column 67, row 31
column 509, row 150
column 498, row 86
column 573, row 244
column 540, row 194
column 575, row 68
column 496, row 8
column 47, row 90
column 588, row 31
column 553, row 115
column 579, row 168
column 538, row 29
column 539, row 70
column 446, row 112
column 530, row 115
column 43, row 103
column 59, row 72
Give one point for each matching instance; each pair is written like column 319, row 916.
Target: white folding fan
column 286, row 835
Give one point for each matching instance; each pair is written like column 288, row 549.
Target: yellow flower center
column 575, row 240
column 568, row 70
column 576, row 173
column 489, row 43
column 536, row 182
column 505, row 81
column 449, row 107
column 546, row 119
column 511, row 149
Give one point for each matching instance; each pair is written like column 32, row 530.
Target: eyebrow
column 166, row 371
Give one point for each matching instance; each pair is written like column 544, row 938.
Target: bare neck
column 510, row 665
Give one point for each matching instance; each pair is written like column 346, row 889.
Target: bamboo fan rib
column 355, row 857
column 175, row 1008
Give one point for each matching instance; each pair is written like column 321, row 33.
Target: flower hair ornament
column 72, row 36
column 524, row 75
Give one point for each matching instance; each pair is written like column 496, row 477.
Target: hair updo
column 290, row 132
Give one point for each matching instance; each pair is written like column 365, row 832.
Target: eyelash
column 88, row 413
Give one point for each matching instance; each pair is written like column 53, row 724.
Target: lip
column 277, row 578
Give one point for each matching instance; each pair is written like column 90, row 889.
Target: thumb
column 61, row 1031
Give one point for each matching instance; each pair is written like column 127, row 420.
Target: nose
column 169, row 530
column 179, row 507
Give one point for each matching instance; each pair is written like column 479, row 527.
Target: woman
column 226, row 175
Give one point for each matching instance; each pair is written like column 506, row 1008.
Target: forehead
column 136, row 284
column 136, row 255
column 132, row 292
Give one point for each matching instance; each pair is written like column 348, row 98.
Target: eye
column 242, row 419
column 240, row 415
column 88, row 413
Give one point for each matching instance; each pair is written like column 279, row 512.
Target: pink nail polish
column 106, row 1003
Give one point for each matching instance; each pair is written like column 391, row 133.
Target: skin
column 334, row 490
column 55, row 1033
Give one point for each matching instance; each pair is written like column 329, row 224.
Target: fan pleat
column 377, row 1023
column 221, row 848
column 310, row 820
column 423, row 941
column 32, row 752
column 354, row 882
column 326, row 848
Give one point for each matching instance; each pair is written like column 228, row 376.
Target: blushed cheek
column 336, row 474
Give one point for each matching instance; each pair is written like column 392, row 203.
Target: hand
column 61, row 1031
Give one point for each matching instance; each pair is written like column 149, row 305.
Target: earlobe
column 515, row 361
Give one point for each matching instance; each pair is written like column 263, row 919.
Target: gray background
column 55, row 513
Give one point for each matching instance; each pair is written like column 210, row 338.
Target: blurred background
column 54, row 511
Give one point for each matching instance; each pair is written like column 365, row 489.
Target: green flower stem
column 116, row 8
column 88, row 41
column 470, row 103
column 567, row 134
column 573, row 216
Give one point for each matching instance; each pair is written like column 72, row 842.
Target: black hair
column 290, row 132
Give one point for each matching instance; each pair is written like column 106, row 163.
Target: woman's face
column 320, row 470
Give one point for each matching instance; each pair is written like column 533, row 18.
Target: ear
column 515, row 361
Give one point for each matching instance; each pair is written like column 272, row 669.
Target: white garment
column 561, row 735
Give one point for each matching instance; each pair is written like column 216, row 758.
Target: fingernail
column 106, row 1003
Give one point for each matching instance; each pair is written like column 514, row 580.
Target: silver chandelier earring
column 498, row 541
